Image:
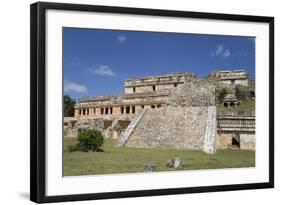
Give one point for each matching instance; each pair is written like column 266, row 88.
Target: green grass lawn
column 130, row 160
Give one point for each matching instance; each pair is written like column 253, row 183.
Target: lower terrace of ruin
column 124, row 104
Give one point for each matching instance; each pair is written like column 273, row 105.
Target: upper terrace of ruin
column 161, row 85
column 231, row 74
column 157, row 83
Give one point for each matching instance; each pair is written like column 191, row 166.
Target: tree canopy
column 68, row 106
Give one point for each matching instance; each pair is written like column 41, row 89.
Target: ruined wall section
column 239, row 126
column 193, row 94
column 107, row 125
column 231, row 77
column 154, row 83
column 170, row 127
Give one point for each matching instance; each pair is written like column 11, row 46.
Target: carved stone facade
column 232, row 77
column 140, row 92
column 236, row 130
column 231, row 100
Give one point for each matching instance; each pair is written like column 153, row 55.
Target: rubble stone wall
column 193, row 94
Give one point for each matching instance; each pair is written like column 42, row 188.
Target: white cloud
column 226, row 53
column 121, row 39
column 220, row 51
column 102, row 70
column 70, row 87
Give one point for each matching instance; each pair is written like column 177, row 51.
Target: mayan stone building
column 175, row 110
column 235, row 77
column 141, row 92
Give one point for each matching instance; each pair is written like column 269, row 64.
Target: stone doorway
column 235, row 141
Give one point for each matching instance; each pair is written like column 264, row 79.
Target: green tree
column 68, row 106
column 221, row 94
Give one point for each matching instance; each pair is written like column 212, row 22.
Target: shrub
column 237, row 90
column 71, row 148
column 221, row 94
column 68, row 106
column 89, row 140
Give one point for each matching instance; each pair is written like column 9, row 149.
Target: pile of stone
column 72, row 126
column 175, row 162
column 149, row 167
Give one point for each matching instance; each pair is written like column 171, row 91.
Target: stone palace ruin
column 175, row 110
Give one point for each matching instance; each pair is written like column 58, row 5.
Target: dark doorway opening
column 235, row 141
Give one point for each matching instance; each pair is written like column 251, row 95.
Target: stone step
column 211, row 131
column 170, row 127
column 130, row 128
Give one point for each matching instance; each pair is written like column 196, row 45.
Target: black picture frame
column 38, row 101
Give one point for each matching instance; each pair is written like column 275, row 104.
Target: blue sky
column 97, row 62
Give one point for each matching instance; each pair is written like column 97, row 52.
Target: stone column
column 91, row 111
column 98, row 111
column 116, row 111
column 138, row 108
column 76, row 112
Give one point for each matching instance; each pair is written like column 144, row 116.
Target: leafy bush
column 238, row 89
column 221, row 94
column 89, row 140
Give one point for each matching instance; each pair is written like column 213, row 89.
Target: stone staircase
column 168, row 127
column 211, row 131
column 130, row 129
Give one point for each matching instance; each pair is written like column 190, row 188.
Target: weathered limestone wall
column 72, row 125
column 236, row 130
column 194, row 94
column 156, row 83
column 165, row 87
column 247, row 141
column 243, row 82
column 109, row 126
column 224, row 140
column 129, row 90
column 170, row 127
column 144, row 89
